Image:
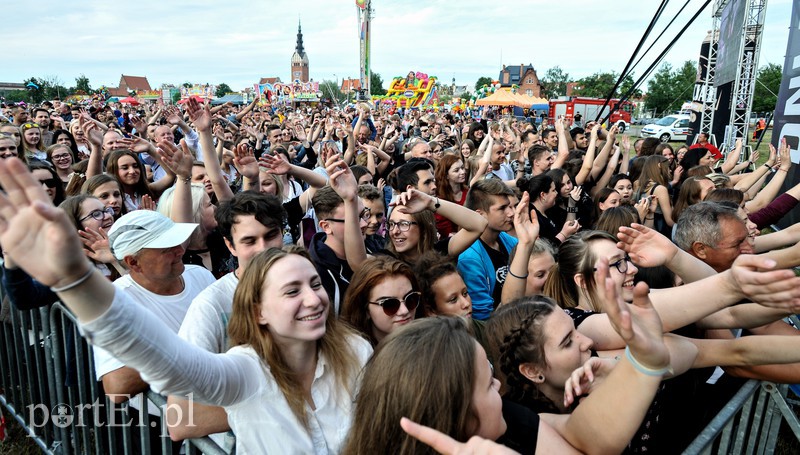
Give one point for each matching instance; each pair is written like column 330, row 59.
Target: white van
column 670, row 128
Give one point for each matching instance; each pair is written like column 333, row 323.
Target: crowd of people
column 373, row 281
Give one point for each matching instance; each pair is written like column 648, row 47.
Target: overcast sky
column 238, row 42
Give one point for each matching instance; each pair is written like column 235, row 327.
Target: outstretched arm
column 471, row 223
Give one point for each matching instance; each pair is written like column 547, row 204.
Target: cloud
column 238, row 41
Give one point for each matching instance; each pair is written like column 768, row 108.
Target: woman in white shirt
column 287, row 385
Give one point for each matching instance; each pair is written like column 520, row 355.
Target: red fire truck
column 589, row 108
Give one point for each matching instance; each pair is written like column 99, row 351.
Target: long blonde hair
column 244, row 329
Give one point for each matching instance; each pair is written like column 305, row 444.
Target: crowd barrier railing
column 48, row 386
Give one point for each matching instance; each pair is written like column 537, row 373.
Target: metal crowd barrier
column 749, row 422
column 47, row 384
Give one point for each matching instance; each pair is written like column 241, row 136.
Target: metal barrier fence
column 47, row 383
column 749, row 422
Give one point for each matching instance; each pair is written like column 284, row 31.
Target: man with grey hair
column 151, row 247
column 713, row 233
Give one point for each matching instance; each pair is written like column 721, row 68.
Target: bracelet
column 436, row 205
column 572, row 209
column 517, row 276
column 649, row 217
column 643, row 369
column 767, row 166
column 75, row 283
column 185, row 179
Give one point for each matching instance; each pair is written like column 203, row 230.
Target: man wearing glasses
column 338, row 247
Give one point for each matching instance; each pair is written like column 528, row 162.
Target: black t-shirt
column 522, row 432
column 500, row 264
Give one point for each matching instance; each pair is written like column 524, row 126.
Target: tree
column 222, row 90
column 484, row 80
column 598, row 85
column 768, row 82
column 466, row 96
column 669, row 88
column 555, row 82
column 82, row 85
column 376, row 84
column 330, row 90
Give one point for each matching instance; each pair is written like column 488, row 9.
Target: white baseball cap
column 146, row 229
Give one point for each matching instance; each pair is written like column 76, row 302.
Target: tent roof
column 234, row 98
column 500, row 98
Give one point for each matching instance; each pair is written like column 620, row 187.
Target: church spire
column 299, row 47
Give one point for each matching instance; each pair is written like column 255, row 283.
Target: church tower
column 299, row 59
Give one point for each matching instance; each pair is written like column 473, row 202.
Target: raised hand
column 35, row 234
column 139, row 124
column 275, row 164
column 646, row 247
column 178, row 160
column 413, row 201
column 96, row 245
column 575, row 194
column 638, row 325
column 341, row 178
column 137, row 144
column 784, row 155
column 526, row 223
column 245, row 161
column 91, row 131
column 570, row 227
column 773, row 156
column 147, row 203
column 587, row 378
column 199, row 115
column 444, row 444
column 173, row 115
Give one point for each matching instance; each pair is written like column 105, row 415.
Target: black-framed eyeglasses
column 61, row 157
column 621, row 265
column 364, row 216
column 50, row 183
column 404, row 225
column 391, row 305
column 99, row 214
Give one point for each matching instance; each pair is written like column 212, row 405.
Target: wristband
column 572, row 209
column 643, row 369
column 75, row 283
column 436, row 205
column 767, row 166
column 517, row 276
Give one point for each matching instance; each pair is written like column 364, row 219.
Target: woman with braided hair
column 434, row 373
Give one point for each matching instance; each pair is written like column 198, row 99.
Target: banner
column 787, row 111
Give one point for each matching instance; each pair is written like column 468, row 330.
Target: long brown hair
column 356, row 300
column 575, row 257
column 244, row 329
column 443, row 189
column 141, row 187
column 653, row 172
column 426, row 223
column 424, row 371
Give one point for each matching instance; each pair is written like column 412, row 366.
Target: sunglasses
column 391, row 305
column 27, row 126
column 50, row 183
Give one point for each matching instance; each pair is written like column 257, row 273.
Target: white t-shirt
column 505, row 173
column 168, row 308
column 206, row 322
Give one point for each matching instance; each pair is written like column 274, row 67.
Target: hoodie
column 334, row 273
